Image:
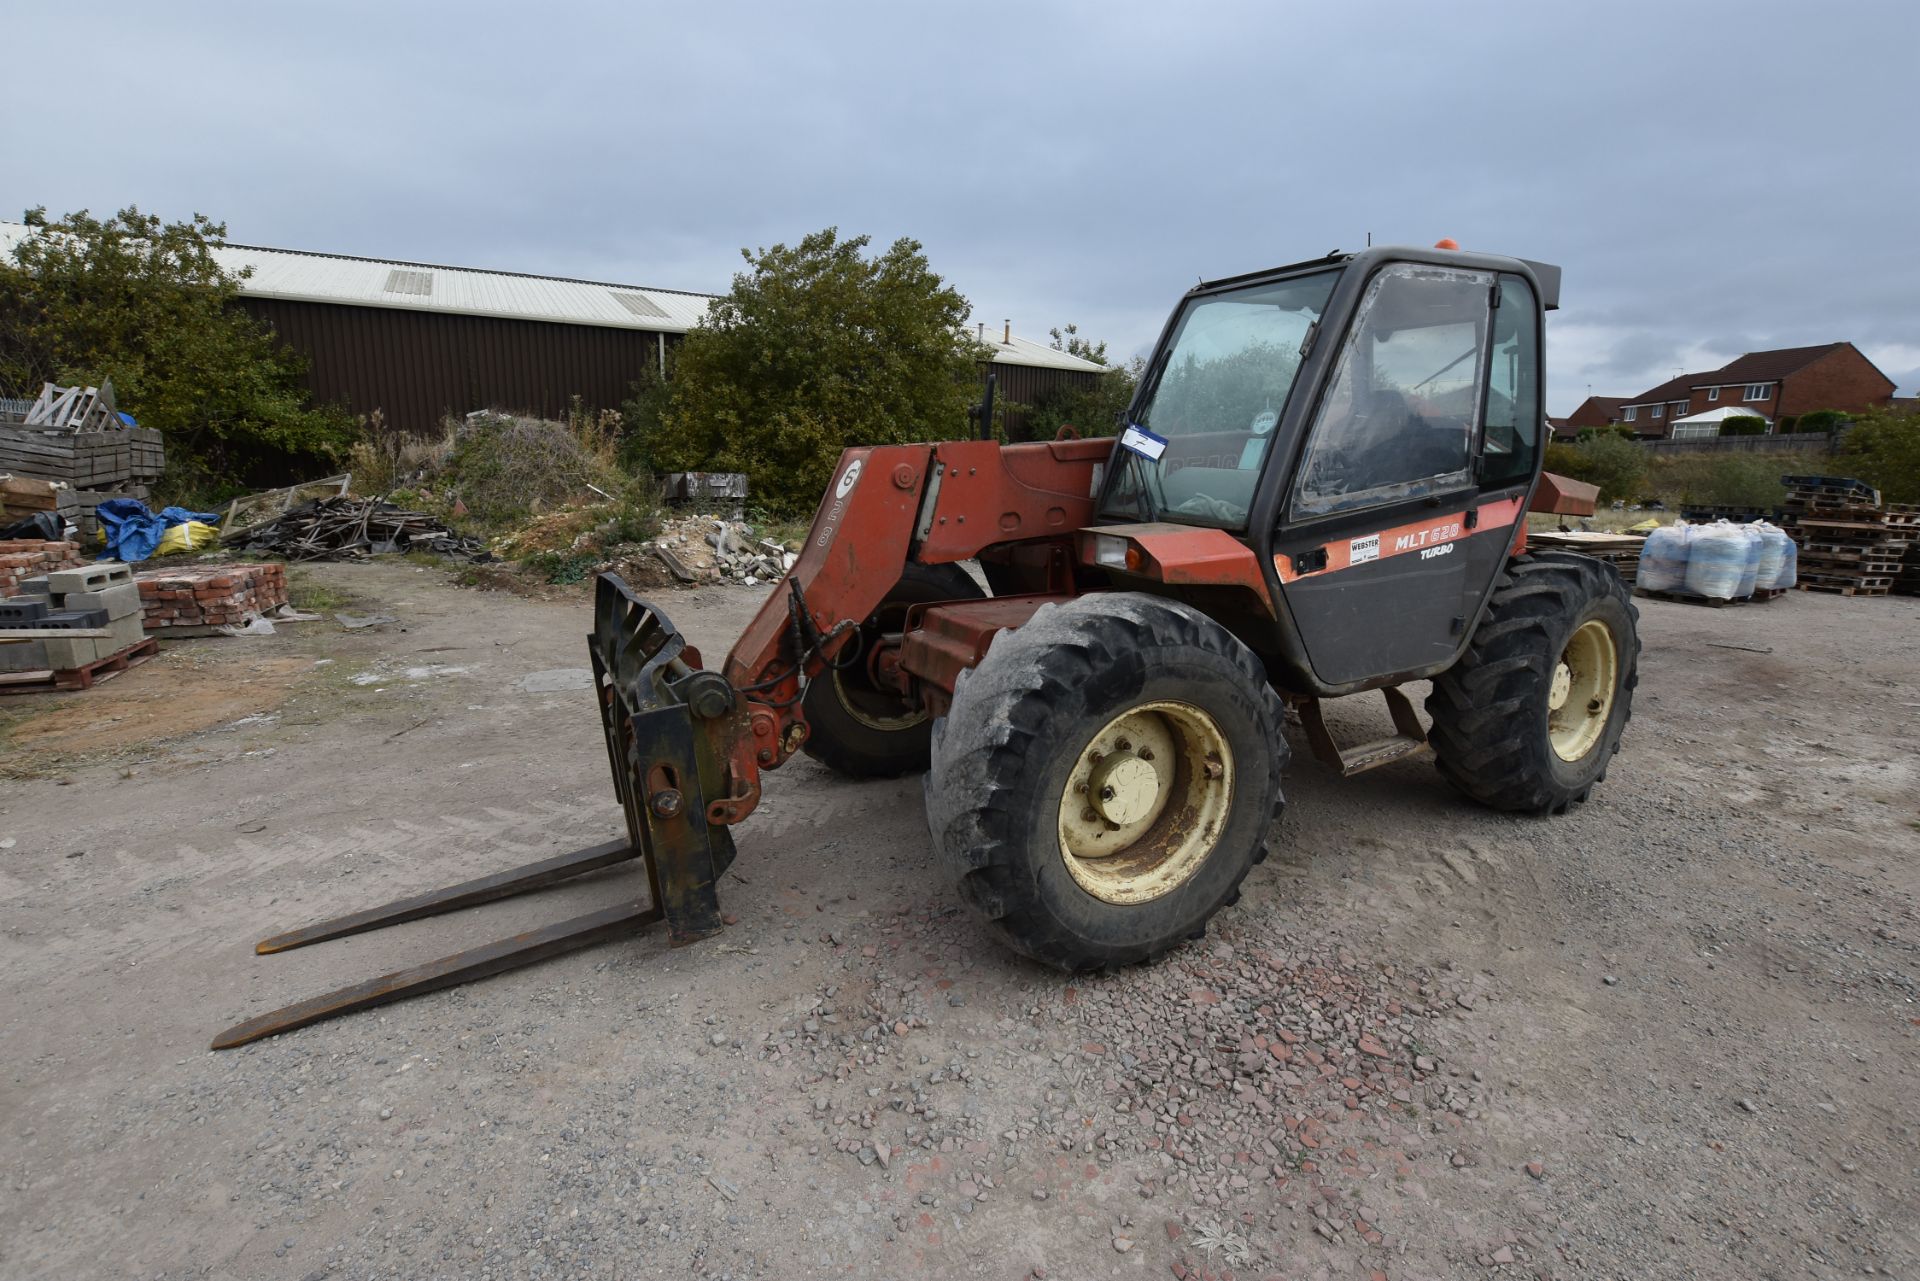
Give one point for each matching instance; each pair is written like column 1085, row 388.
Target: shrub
column 1882, row 447
column 1826, row 420
column 1743, row 425
column 506, row 469
column 816, row 348
column 1613, row 462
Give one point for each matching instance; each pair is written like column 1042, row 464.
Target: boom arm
column 888, row 504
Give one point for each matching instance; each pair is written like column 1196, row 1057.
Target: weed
column 304, row 591
column 562, row 569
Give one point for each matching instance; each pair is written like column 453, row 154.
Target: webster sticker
column 1362, row 550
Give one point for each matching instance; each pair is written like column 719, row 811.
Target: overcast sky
column 1714, row 178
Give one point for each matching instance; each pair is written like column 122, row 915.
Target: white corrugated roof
column 414, row 286
column 368, row 282
column 1022, row 351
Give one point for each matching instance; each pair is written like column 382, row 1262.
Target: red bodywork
column 955, row 501
column 1026, row 510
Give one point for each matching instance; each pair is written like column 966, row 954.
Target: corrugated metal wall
column 1026, row 385
column 418, row 366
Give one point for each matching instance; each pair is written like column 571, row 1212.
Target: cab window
column 1513, row 388
column 1401, row 414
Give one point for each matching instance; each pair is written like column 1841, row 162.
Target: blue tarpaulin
column 133, row 531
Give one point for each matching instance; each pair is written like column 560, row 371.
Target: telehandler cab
column 1320, row 489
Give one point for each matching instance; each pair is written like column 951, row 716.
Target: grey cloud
column 1060, row 162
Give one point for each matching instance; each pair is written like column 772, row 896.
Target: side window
column 1513, row 388
column 1400, row 416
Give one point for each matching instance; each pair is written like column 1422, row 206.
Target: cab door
column 1371, row 549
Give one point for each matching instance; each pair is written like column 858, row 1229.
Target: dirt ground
column 1671, row 1034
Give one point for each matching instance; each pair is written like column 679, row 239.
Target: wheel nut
column 1146, row 753
column 1088, row 816
column 1124, row 745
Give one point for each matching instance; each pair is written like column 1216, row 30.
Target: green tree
column 1094, row 410
column 1882, row 447
column 144, row 302
column 818, row 347
column 1743, row 425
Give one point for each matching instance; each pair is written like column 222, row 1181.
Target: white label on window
column 1362, row 550
column 1143, row 442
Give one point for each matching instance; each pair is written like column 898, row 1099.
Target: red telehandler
column 1320, row 489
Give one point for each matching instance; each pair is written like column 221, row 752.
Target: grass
column 307, row 592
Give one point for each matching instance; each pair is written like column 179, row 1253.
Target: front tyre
column 1530, row 717
column 1106, row 778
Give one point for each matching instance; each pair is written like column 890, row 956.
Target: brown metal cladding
column 416, row 367
column 1028, row 385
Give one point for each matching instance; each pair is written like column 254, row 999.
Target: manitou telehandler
column 1319, row 489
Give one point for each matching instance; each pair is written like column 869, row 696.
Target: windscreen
column 1215, row 396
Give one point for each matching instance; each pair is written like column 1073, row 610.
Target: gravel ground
column 1671, row 1034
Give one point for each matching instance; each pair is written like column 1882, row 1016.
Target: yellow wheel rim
column 1146, row 802
column 1581, row 697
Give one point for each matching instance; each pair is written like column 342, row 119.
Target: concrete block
column 35, row 586
column 23, row 656
column 119, row 600
column 129, row 629
column 72, row 620
column 65, row 654
column 90, row 579
column 22, row 611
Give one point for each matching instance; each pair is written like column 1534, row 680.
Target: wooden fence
column 1790, row 442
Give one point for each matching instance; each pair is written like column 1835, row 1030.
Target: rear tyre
column 855, row 725
column 1106, row 778
column 1530, row 717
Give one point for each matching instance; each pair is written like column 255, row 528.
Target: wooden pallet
column 1761, row 595
column 83, row 677
column 1681, row 598
column 1842, row 589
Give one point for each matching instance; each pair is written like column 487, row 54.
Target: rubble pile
column 703, row 549
column 178, row 601
column 344, row 526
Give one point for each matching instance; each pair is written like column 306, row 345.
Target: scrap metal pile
column 344, row 527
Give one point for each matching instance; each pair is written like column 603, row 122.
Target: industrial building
column 418, row 341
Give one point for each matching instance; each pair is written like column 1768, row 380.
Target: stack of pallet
column 1622, row 551
column 1907, row 581
column 26, row 495
column 188, row 602
column 74, row 437
column 1850, row 544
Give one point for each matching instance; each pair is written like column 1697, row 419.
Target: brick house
column 1594, row 411
column 1785, row 383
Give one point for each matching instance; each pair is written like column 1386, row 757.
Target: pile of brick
column 180, row 602
column 97, row 597
column 25, row 559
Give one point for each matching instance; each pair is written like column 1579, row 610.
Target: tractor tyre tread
column 1029, row 706
column 1489, row 710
